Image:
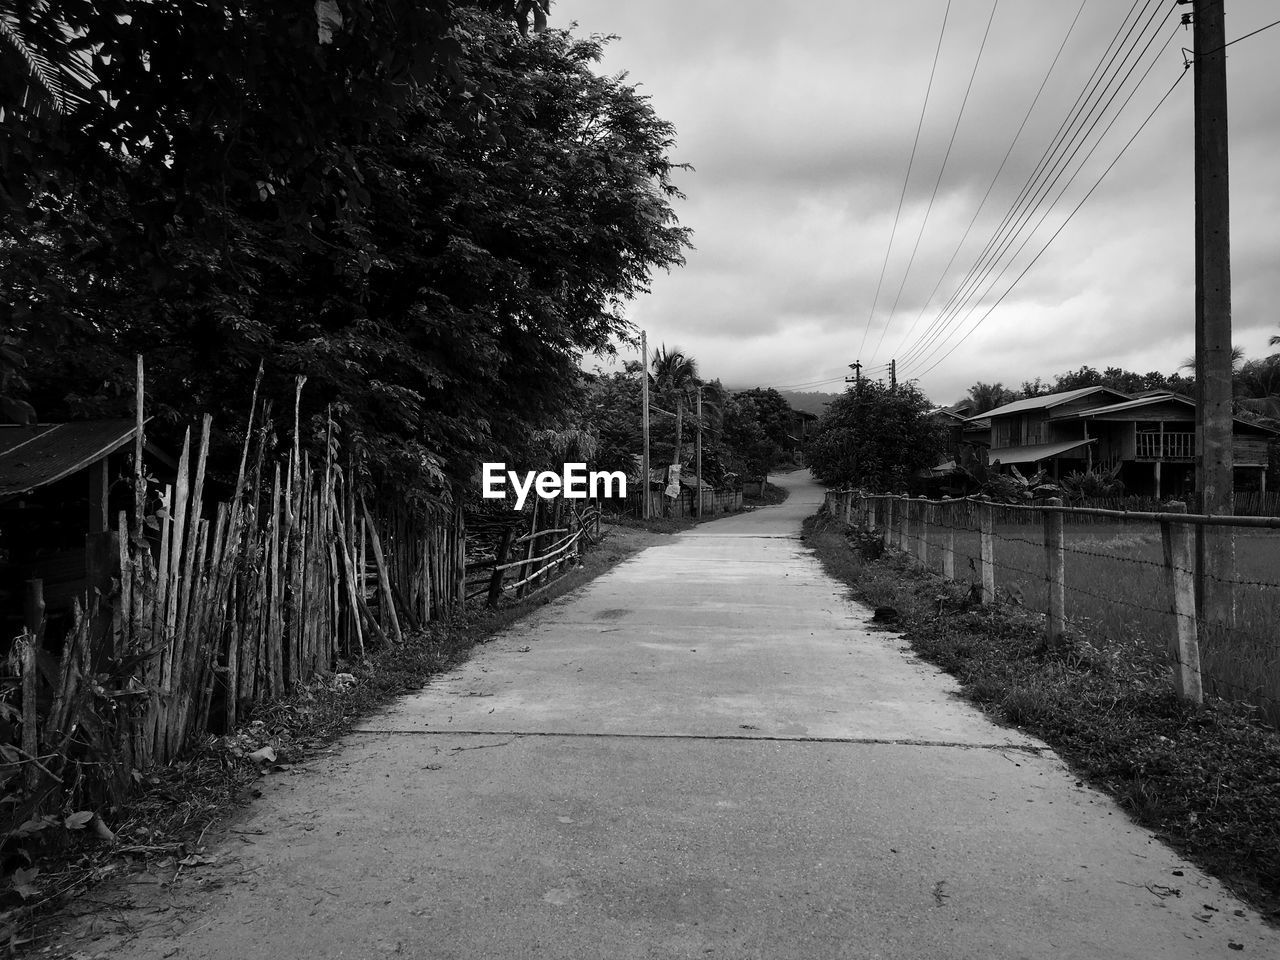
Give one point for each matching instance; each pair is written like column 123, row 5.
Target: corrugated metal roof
column 1152, row 400
column 1035, row 452
column 35, row 456
column 1048, row 401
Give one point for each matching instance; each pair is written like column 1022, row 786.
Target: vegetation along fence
column 201, row 609
column 1127, row 582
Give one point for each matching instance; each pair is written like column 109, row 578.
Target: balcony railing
column 1166, row 446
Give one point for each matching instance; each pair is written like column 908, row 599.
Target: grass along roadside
column 1206, row 780
column 164, row 827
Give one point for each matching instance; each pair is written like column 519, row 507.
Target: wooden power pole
column 644, row 415
column 697, row 456
column 1214, row 423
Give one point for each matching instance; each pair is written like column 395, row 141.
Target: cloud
column 799, row 121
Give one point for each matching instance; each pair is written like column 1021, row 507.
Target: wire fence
column 1196, row 595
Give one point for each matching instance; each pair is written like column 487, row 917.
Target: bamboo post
column 348, row 574
column 33, row 607
column 986, row 528
column 495, row 581
column 392, row 626
column 904, row 526
column 922, row 531
column 1055, row 574
column 529, row 548
column 1184, row 645
column 946, row 514
column 25, row 647
column 459, row 555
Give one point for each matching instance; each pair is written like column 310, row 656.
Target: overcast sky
column 800, row 118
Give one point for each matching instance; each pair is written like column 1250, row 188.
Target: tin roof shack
column 57, row 501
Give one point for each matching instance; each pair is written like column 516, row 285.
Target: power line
column 910, row 162
column 938, row 182
column 991, row 186
column 1072, row 136
column 955, row 321
column 1042, row 179
column 1062, row 227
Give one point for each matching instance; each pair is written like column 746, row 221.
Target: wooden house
column 1151, row 438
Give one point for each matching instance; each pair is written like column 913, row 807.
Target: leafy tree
column 129, row 129
column 436, row 260
column 774, row 413
column 611, row 410
column 748, row 449
column 876, row 437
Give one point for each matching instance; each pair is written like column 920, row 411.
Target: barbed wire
column 1223, row 646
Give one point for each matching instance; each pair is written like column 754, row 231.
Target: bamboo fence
column 216, row 607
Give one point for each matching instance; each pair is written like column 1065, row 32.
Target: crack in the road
column 872, row 741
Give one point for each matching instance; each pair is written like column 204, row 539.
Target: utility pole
column 893, row 376
column 856, row 380
column 644, row 415
column 697, row 456
column 1214, row 424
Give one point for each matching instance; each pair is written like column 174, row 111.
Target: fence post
column 986, row 527
column 848, row 506
column 495, row 581
column 869, row 512
column 922, row 535
column 904, row 528
column 946, row 517
column 1055, row 574
column 1184, row 645
column 890, row 531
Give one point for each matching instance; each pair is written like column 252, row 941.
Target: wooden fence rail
column 907, row 524
column 573, row 528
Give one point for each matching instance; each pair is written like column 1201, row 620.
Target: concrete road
column 704, row 753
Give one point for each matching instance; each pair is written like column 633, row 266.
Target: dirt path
column 706, row 752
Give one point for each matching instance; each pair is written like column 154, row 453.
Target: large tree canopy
column 435, row 257
column 876, row 437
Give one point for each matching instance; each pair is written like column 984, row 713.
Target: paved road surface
column 705, row 753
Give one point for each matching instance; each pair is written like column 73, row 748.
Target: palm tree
column 675, row 379
column 41, row 67
column 988, row 396
column 1237, row 358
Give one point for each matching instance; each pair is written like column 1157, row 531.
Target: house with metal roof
column 1150, row 439
column 57, row 511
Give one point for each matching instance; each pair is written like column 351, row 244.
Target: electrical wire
column 1043, row 178
column 991, row 186
column 956, row 321
column 907, row 180
column 1062, row 227
column 938, row 182
column 1072, row 136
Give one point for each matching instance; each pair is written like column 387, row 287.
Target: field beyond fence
column 1111, row 579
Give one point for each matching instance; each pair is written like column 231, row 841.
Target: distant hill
column 815, row 403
